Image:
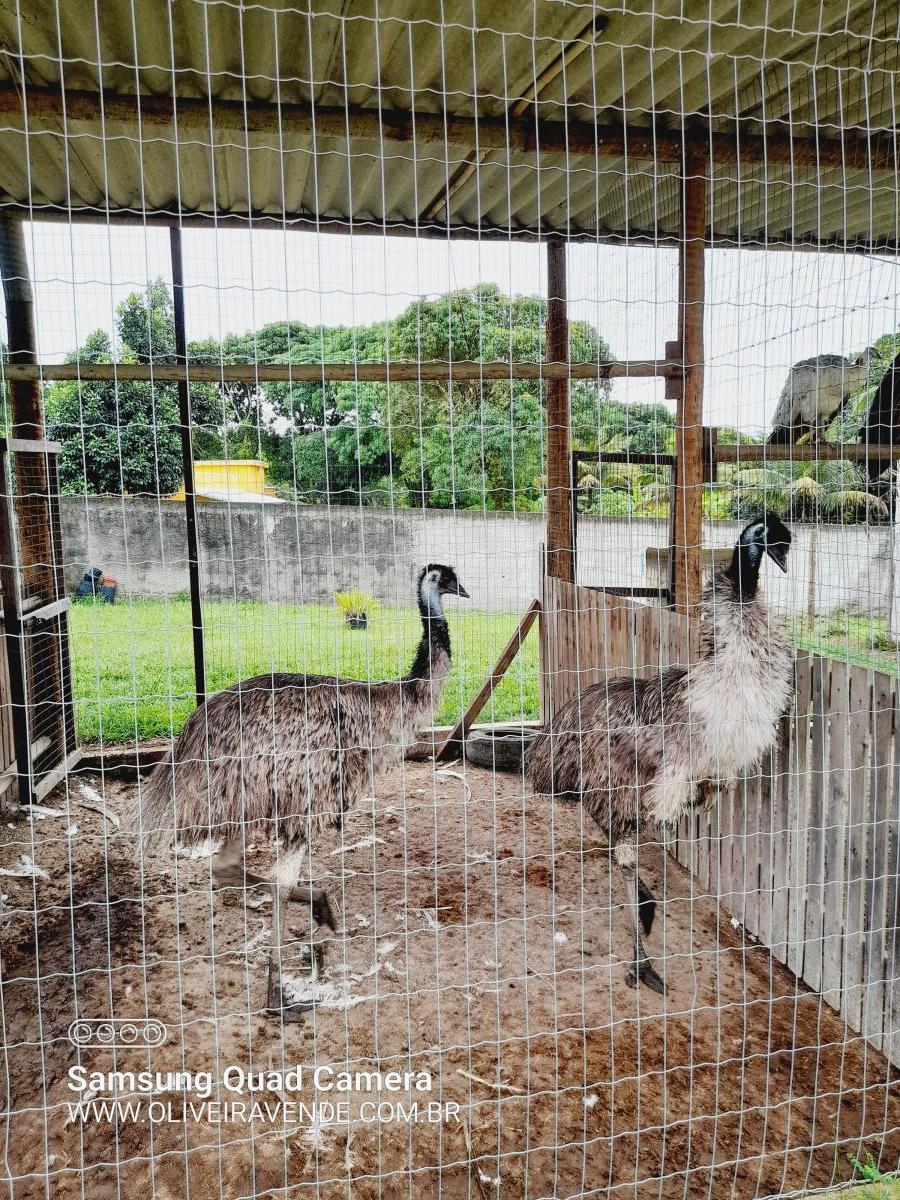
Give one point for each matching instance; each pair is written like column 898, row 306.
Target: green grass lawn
column 861, row 641
column 134, row 674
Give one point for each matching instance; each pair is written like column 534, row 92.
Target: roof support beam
column 43, row 107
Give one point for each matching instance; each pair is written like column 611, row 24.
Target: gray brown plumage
column 283, row 756
column 635, row 751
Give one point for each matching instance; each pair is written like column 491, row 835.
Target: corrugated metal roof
column 761, row 66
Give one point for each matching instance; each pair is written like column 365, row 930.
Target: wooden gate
column 37, row 733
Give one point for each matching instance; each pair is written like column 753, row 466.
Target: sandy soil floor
column 475, row 946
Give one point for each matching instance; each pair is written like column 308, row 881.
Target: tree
column 126, row 437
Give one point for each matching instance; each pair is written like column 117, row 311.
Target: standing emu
column 283, row 756
column 635, row 751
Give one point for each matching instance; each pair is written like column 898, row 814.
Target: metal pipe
column 187, row 462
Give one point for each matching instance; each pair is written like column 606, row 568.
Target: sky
column 764, row 310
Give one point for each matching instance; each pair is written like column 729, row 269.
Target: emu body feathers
column 284, row 756
column 635, row 751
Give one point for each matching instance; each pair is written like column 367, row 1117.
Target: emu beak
column 778, row 553
column 461, row 591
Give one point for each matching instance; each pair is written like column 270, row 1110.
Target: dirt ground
column 474, row 944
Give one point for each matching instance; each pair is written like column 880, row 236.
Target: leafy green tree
column 114, row 438
column 829, row 490
column 126, row 437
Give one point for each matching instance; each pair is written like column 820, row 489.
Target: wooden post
column 27, row 545
column 25, row 397
column 687, row 523
column 560, row 556
column 187, row 466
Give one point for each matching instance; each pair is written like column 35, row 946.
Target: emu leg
column 229, row 869
column 638, row 906
column 277, row 1002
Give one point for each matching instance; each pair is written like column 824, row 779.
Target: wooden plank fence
column 804, row 851
column 588, row 636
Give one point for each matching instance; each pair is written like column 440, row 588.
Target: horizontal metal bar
column 625, row 591
column 379, row 372
column 211, row 217
column 624, row 456
column 46, row 611
column 806, row 452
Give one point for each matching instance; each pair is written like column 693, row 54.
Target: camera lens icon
column 118, row 1033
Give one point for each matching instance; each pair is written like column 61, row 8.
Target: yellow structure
column 231, row 479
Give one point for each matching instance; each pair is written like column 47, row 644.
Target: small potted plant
column 355, row 607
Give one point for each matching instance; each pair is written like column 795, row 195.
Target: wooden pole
column 27, row 544
column 402, row 370
column 35, row 108
column 25, row 394
column 560, row 550
column 687, row 524
column 187, row 464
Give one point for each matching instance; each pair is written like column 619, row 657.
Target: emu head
column 435, row 581
column 768, row 535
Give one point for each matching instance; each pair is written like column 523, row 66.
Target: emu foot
column 644, row 972
column 290, row 999
column 317, row 899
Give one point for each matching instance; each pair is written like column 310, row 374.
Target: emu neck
column 435, row 641
column 743, row 572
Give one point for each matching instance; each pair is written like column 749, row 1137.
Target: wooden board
column 452, row 744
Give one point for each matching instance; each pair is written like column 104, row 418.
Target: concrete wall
column 295, row 554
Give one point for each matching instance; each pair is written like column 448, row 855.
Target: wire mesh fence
column 465, row 803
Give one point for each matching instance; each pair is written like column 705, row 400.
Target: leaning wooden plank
column 880, row 800
column 453, row 743
column 815, row 865
column 834, row 889
column 861, row 717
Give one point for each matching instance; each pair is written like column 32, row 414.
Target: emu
column 815, row 390
column 635, row 752
column 285, row 756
